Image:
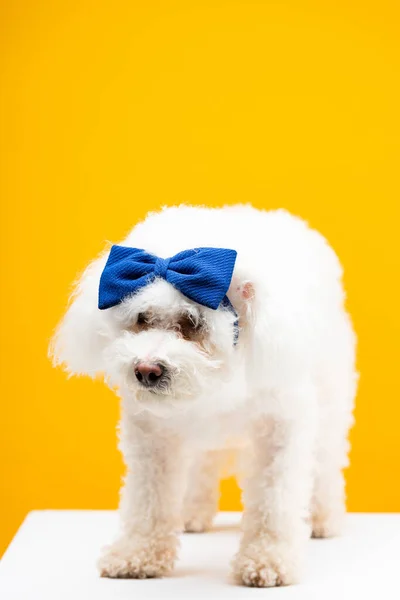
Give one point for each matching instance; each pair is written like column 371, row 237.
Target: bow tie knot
column 161, row 267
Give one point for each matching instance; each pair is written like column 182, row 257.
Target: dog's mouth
column 162, row 387
column 158, row 390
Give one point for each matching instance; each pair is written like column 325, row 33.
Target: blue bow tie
column 201, row 274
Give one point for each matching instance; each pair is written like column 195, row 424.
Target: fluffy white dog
column 274, row 378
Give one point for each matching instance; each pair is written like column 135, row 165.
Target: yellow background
column 109, row 109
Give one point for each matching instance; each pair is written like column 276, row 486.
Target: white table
column 53, row 557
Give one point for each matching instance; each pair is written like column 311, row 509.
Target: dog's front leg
column 277, row 493
column 151, row 503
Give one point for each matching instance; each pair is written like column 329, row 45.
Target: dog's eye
column 141, row 319
column 188, row 327
column 190, row 323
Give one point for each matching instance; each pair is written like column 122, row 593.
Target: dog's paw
column 327, row 521
column 326, row 527
column 138, row 559
column 256, row 566
column 198, row 524
column 198, row 518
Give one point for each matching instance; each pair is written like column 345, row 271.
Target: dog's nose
column 148, row 373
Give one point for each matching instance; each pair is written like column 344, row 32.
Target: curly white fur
column 283, row 395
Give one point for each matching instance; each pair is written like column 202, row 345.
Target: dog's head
column 156, row 346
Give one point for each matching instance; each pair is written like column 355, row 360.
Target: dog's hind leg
column 202, row 495
column 328, row 506
column 328, row 503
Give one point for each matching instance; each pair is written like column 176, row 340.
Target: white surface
column 53, row 557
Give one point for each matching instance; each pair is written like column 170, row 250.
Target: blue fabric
column 201, row 274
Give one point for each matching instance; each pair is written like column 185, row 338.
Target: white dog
column 273, row 377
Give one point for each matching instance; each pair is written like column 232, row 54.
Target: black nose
column 149, row 374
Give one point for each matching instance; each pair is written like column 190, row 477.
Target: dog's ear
column 84, row 331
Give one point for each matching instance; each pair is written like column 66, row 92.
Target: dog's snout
column 149, row 374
